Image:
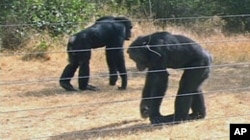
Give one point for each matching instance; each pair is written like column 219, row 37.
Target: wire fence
column 118, row 47
column 145, row 126
column 123, row 101
column 51, row 79
column 133, row 20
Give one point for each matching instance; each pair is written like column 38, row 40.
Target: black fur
column 162, row 50
column 107, row 31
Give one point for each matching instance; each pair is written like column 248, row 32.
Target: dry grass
column 47, row 110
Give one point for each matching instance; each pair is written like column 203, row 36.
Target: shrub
column 55, row 16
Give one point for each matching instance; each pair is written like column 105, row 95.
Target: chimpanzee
column 107, row 31
column 162, row 50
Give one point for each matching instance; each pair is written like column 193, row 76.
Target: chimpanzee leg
column 198, row 107
column 83, row 78
column 116, row 62
column 154, row 91
column 120, row 63
column 144, row 105
column 198, row 103
column 68, row 73
column 112, row 77
column 112, row 66
column 189, row 94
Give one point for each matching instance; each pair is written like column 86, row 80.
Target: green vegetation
column 57, row 17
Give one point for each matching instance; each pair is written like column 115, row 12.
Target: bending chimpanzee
column 162, row 50
column 107, row 31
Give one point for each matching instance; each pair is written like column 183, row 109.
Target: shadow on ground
column 111, row 130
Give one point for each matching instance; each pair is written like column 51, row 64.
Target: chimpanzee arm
column 153, row 92
column 120, row 63
column 110, row 58
column 116, row 62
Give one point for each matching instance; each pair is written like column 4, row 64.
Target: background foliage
column 58, row 17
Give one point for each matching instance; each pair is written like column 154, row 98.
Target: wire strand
column 118, row 48
column 135, row 20
column 120, row 101
column 102, row 130
column 51, row 79
column 128, row 100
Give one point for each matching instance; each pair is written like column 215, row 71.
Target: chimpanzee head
column 128, row 26
column 145, row 51
column 138, row 53
column 105, row 18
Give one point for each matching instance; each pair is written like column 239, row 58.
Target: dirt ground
column 33, row 106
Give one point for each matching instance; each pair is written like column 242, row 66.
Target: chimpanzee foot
column 93, row 88
column 157, row 120
column 172, row 119
column 90, row 87
column 165, row 120
column 67, row 86
column 195, row 116
column 121, row 88
column 161, row 120
column 112, row 81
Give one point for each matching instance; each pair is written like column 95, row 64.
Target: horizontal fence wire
column 122, row 101
column 133, row 20
column 101, row 75
column 52, row 79
column 82, row 132
column 120, row 47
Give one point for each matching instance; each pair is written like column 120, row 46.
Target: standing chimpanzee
column 107, row 31
column 162, row 50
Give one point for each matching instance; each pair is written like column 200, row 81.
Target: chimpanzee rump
column 162, row 50
column 107, row 31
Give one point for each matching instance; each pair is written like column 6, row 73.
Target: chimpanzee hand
column 144, row 109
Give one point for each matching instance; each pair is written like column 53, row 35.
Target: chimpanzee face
column 127, row 26
column 128, row 30
column 138, row 58
column 140, row 67
column 138, row 53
